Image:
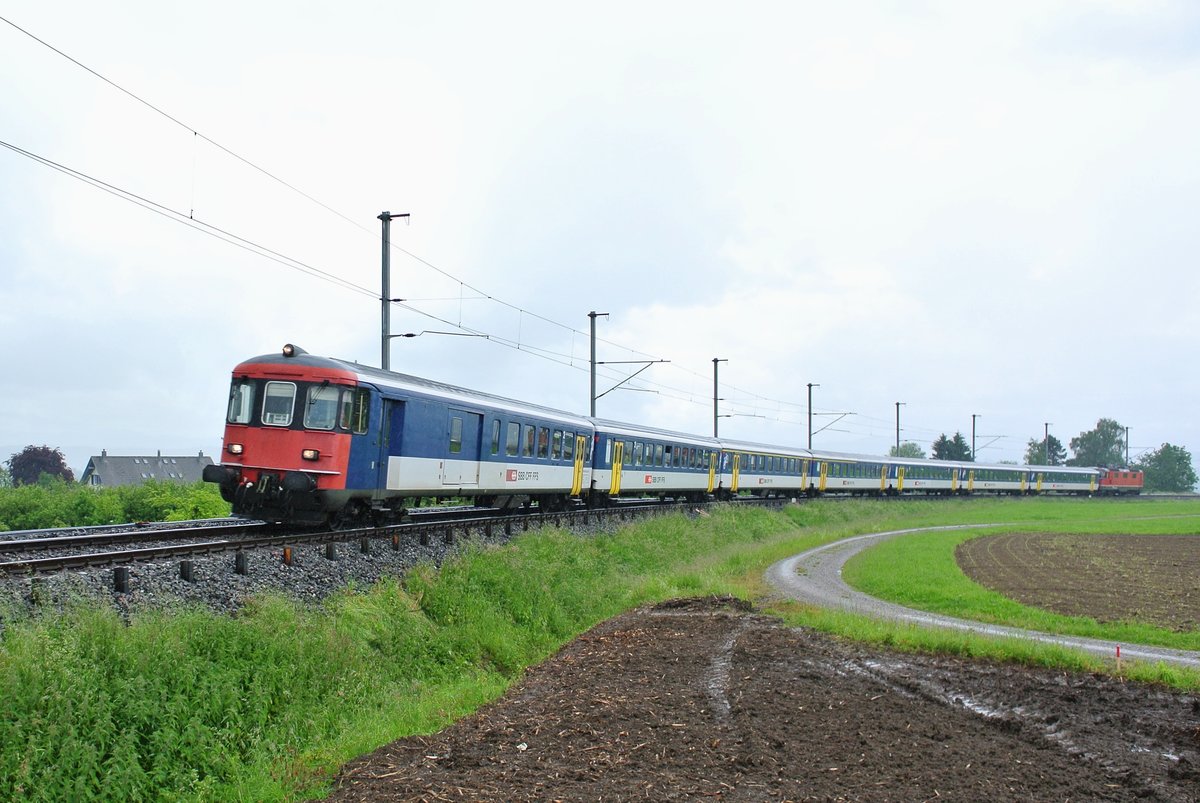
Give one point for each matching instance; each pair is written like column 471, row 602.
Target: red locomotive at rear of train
column 1121, row 482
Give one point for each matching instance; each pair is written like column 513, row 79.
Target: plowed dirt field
column 1144, row 578
column 704, row 699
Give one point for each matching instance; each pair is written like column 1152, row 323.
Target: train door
column 580, row 453
column 883, row 478
column 391, row 432
column 465, row 433
column 899, row 479
column 712, row 470
column 954, row 480
column 618, row 454
column 971, row 481
column 824, row 476
column 737, row 472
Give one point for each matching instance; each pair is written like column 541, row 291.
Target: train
column 318, row 441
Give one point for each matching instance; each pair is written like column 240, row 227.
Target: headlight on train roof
column 234, row 448
column 311, row 454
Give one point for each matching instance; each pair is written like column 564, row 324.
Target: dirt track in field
column 1111, row 578
column 704, row 699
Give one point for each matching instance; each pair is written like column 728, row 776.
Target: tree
column 1102, row 446
column 907, row 449
column 5, row 480
column 1168, row 468
column 1035, row 454
column 955, row 448
column 28, row 465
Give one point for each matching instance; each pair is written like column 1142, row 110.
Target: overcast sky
column 970, row 208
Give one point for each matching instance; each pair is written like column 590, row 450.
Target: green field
column 266, row 705
column 920, row 571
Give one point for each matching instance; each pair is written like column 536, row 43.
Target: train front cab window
column 321, row 407
column 278, row 403
column 241, row 402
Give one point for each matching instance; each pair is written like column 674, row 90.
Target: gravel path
column 815, row 577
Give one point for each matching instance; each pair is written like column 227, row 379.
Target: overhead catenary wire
column 246, row 244
column 480, row 294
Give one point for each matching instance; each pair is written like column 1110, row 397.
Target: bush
column 56, row 503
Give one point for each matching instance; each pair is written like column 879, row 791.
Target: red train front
column 287, row 436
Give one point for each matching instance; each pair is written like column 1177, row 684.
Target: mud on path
column 706, row 699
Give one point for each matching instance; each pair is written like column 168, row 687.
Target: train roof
column 295, row 362
column 766, row 448
column 301, row 362
column 634, row 430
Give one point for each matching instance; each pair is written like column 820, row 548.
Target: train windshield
column 319, row 406
column 321, row 410
column 241, row 402
column 280, row 397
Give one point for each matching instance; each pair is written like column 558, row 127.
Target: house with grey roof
column 111, row 470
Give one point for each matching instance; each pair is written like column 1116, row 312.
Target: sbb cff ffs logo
column 514, row 475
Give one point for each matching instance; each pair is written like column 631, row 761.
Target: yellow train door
column 580, row 451
column 617, row 460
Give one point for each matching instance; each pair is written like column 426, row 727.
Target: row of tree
column 1167, row 468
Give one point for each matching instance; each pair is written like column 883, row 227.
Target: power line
column 481, row 294
column 191, row 222
column 178, row 216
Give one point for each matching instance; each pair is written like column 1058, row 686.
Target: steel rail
column 423, row 530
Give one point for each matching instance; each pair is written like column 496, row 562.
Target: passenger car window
column 496, row 436
column 543, row 442
column 455, row 434
column 530, row 434
column 568, row 446
column 557, row 445
column 278, row 402
column 512, row 439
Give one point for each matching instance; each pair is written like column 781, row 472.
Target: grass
column 266, row 705
column 920, row 571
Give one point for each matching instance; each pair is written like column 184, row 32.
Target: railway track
column 134, row 544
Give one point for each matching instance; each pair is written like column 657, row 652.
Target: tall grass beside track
column 266, row 705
